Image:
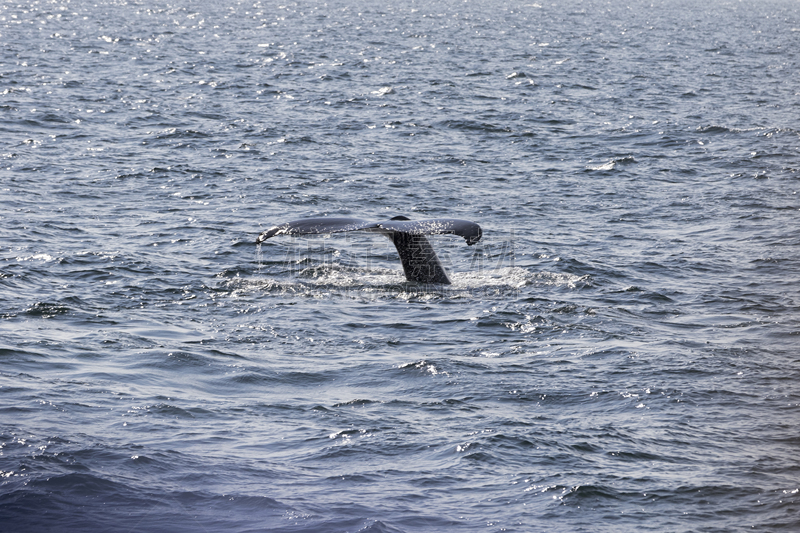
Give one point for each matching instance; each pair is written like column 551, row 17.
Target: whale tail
column 419, row 259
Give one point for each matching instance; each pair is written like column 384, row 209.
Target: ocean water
column 619, row 353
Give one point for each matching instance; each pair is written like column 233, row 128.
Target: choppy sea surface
column 621, row 352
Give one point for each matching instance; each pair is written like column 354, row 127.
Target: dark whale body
column 419, row 259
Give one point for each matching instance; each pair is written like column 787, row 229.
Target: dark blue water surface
column 619, row 353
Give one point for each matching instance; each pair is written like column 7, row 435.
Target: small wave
column 47, row 309
column 175, row 133
column 358, row 402
column 37, row 257
column 562, row 279
column 165, row 410
column 716, row 129
column 423, row 368
column 605, row 166
column 612, row 164
column 472, row 125
column 771, row 132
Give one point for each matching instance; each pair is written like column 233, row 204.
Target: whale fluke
column 418, row 257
